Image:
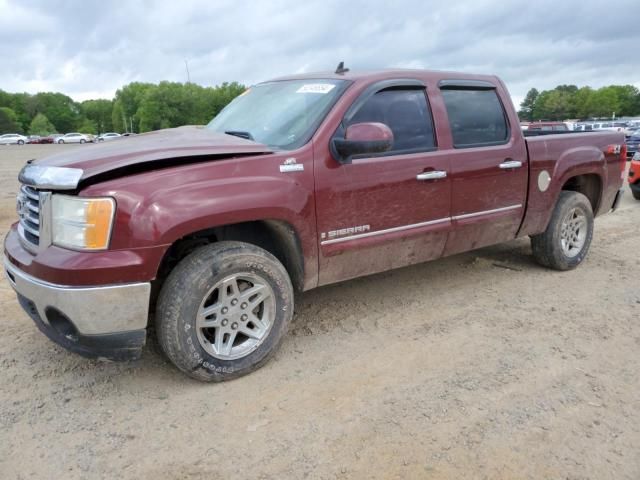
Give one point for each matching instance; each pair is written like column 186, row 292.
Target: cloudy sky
column 87, row 49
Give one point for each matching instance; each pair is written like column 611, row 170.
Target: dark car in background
column 633, row 141
column 34, row 139
column 50, row 138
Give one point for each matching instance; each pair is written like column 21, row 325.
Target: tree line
column 142, row 107
column 570, row 102
column 137, row 107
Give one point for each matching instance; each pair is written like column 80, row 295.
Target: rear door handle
column 433, row 175
column 511, row 164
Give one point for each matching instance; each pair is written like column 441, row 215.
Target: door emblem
column 290, row 165
column 345, row 232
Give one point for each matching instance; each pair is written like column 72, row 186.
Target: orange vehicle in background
column 634, row 176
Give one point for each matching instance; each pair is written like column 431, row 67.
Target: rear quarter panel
column 563, row 157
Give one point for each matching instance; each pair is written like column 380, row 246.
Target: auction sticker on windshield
column 316, row 88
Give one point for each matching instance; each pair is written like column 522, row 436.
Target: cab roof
column 388, row 74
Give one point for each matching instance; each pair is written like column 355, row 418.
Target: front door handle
column 432, row 175
column 510, row 164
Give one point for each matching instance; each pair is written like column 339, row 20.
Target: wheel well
column 277, row 237
column 589, row 185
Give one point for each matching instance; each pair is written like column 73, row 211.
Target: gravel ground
column 482, row 365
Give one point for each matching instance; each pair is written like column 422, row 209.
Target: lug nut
column 234, row 302
column 234, row 326
column 224, row 322
column 244, row 317
column 225, row 309
column 244, row 305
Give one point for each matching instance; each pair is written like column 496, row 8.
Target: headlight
column 82, row 223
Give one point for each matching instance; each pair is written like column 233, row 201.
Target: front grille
column 28, row 206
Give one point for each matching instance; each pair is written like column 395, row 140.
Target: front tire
column 223, row 311
column 636, row 192
column 82, row 140
column 60, row 142
column 565, row 242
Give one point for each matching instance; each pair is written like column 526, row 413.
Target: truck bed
column 565, row 155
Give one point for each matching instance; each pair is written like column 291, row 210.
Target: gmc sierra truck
column 205, row 233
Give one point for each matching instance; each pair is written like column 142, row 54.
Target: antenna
column 186, row 64
column 341, row 70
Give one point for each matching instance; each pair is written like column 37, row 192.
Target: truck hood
column 133, row 154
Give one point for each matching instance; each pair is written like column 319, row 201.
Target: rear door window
column 476, row 117
column 406, row 113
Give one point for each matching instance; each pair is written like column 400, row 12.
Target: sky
column 88, row 49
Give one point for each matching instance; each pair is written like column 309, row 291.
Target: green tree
column 8, row 121
column 603, row 103
column 40, row 125
column 5, row 99
column 527, row 105
column 126, row 104
column 19, row 102
column 569, row 101
column 164, row 106
column 173, row 104
column 221, row 97
column 88, row 126
column 100, row 112
column 556, row 104
column 60, row 109
column 628, row 99
column 581, row 101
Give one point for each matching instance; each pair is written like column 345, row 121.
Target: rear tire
column 223, row 311
column 60, row 141
column 565, row 242
column 82, row 140
column 20, row 142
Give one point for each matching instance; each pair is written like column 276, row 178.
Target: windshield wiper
column 241, row 134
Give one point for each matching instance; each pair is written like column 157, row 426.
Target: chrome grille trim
column 30, row 192
column 28, row 203
column 33, row 219
column 33, row 207
column 31, row 230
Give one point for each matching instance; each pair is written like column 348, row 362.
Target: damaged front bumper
column 96, row 322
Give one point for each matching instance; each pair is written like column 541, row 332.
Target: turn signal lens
column 82, row 223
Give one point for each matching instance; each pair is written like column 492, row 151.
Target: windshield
column 283, row 114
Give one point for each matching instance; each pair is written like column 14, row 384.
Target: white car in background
column 75, row 138
column 613, row 126
column 13, row 139
column 108, row 136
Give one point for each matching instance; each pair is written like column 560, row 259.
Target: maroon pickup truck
column 207, row 232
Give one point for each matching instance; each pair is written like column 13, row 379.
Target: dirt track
column 481, row 365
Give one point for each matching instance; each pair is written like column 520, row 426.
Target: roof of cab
column 386, row 74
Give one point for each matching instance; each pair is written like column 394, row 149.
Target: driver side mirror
column 363, row 138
